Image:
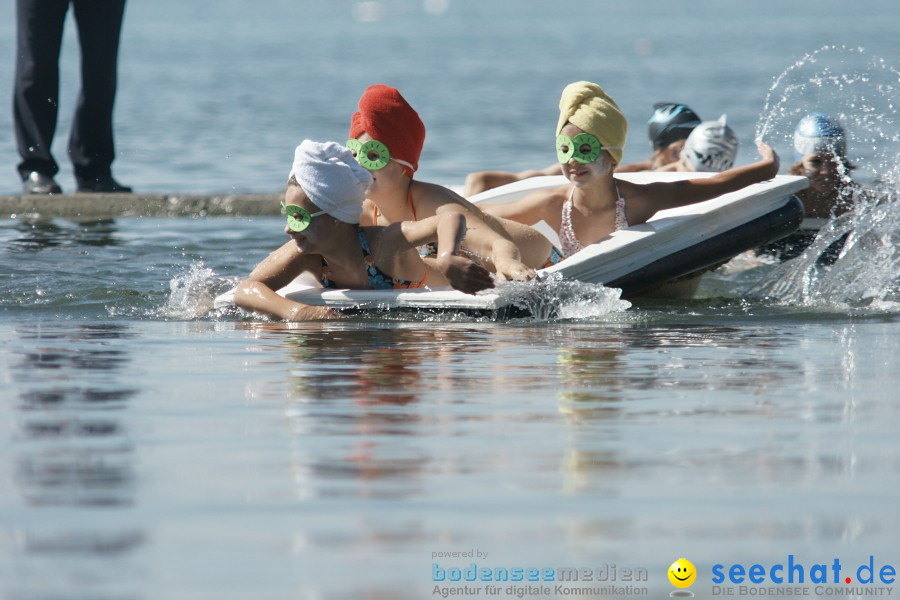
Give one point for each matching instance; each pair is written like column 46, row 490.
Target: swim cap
column 331, row 177
column 670, row 123
column 586, row 106
column 711, row 147
column 387, row 117
column 817, row 132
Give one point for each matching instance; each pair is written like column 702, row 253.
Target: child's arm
column 399, row 241
column 655, row 197
column 529, row 209
column 487, row 233
column 488, row 180
column 257, row 292
column 482, row 239
column 460, row 272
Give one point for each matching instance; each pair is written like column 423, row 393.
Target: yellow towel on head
column 586, row 106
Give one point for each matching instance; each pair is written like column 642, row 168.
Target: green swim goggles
column 298, row 218
column 584, row 148
column 373, row 155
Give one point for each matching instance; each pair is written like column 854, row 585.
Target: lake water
column 153, row 448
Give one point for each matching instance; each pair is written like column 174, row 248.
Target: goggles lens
column 373, row 155
column 298, row 218
column 584, row 148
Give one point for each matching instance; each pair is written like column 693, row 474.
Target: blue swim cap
column 817, row 132
column 671, row 122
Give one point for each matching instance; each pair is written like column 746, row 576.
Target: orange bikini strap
column 421, row 283
column 409, row 201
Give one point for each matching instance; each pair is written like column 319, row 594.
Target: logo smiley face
column 682, row 573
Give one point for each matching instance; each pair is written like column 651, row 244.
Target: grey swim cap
column 711, row 147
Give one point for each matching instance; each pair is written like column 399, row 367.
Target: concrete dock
column 104, row 206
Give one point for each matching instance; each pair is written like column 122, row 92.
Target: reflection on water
column 306, row 452
column 71, row 449
column 365, row 385
column 39, row 234
column 387, row 393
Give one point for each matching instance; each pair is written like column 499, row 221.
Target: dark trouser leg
column 91, row 141
column 39, row 29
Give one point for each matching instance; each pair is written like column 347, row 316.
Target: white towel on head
column 331, row 177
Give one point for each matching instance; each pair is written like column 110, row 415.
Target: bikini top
column 378, row 279
column 570, row 243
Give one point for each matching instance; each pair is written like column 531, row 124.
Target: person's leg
column 91, row 145
column 39, row 33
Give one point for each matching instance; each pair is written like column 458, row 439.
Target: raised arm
column 258, row 291
column 654, row 197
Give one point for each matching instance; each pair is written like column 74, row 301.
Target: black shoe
column 101, row 184
column 39, row 183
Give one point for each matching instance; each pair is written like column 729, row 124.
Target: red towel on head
column 387, row 117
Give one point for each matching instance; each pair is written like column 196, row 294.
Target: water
column 216, row 100
column 227, row 459
column 154, row 448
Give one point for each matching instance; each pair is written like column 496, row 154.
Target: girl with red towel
column 386, row 136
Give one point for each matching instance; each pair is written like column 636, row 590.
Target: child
column 710, row 148
column 322, row 203
column 590, row 139
column 386, row 136
column 668, row 127
column 820, row 154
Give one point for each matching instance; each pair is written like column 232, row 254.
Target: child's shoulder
column 427, row 190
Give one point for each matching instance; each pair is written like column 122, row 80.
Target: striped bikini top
column 570, row 243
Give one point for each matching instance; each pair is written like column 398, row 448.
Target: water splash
column 192, row 294
column 861, row 92
column 866, row 273
column 553, row 297
column 846, row 83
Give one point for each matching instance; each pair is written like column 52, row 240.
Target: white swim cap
column 331, row 177
column 711, row 147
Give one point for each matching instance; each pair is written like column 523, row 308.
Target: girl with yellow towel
column 590, row 141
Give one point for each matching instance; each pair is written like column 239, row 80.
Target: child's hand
column 768, row 154
column 514, row 270
column 463, row 274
